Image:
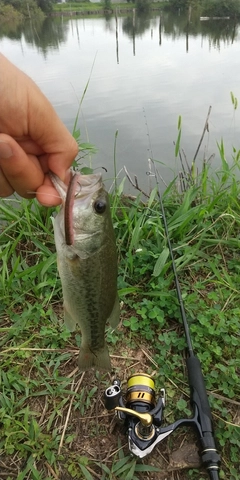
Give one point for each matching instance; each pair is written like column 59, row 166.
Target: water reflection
column 141, row 63
column 51, row 33
column 45, row 35
column 136, row 24
column 12, row 30
column 219, row 32
column 216, row 31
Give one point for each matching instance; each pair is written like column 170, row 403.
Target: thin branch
column 186, row 161
column 134, row 184
column 204, row 131
column 224, row 399
column 51, row 471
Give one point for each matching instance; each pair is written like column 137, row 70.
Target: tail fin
column 98, row 359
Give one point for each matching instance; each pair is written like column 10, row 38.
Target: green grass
column 91, row 7
column 41, row 391
column 85, row 6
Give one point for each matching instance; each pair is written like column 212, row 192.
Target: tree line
column 216, row 8
column 31, row 8
column 219, row 8
column 25, row 8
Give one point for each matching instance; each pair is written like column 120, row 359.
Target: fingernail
column 5, row 150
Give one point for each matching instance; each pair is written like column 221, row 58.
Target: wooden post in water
column 160, row 31
column 188, row 23
column 29, row 14
column 117, row 50
column 189, row 13
column 234, row 31
column 134, row 24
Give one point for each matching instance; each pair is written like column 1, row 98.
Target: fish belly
column 90, row 298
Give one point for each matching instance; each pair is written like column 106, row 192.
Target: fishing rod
column 143, row 415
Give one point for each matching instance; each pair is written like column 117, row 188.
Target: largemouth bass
column 87, row 264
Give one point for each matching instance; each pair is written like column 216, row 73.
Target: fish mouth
column 80, row 186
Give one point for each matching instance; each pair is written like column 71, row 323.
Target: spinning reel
column 140, row 413
column 142, row 416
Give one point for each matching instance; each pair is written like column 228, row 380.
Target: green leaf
column 146, row 468
column 177, row 146
column 179, row 122
column 86, row 170
column 152, row 197
column 76, row 134
column 181, row 404
column 87, row 146
column 119, row 464
column 86, row 473
column 161, row 261
column 129, row 475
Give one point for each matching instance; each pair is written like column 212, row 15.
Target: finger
column 55, row 140
column 36, row 119
column 21, row 171
column 47, row 195
column 49, row 133
column 60, row 162
column 29, row 146
column 5, row 188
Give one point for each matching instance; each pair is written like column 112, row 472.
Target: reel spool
column 140, row 395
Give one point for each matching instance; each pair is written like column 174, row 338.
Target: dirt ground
column 96, row 438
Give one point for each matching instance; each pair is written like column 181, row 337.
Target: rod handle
column 210, row 457
column 199, row 393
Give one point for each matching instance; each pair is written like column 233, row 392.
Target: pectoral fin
column 68, row 320
column 115, row 315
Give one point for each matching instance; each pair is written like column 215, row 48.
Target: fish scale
column 88, row 265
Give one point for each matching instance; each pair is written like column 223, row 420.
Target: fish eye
column 100, row 206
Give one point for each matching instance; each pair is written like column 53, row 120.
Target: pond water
column 144, row 72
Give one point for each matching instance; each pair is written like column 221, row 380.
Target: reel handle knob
column 145, row 418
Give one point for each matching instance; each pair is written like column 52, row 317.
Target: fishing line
column 177, row 284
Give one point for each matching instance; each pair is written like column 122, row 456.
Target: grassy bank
column 53, row 424
column 87, row 6
column 98, row 7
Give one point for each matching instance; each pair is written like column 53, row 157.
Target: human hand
column 33, row 140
